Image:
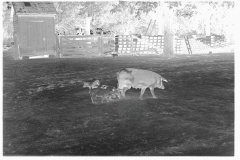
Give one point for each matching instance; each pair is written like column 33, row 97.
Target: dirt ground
column 46, row 111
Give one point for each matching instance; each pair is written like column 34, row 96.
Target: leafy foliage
column 191, row 17
column 136, row 8
column 187, row 11
column 7, row 21
column 133, row 17
column 68, row 18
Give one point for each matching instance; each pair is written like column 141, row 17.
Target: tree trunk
column 88, row 25
column 160, row 20
column 168, row 33
column 207, row 25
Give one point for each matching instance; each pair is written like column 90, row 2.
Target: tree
column 7, row 22
column 131, row 17
column 193, row 16
column 137, row 13
column 169, row 13
column 74, row 15
column 68, row 19
column 90, row 10
column 222, row 21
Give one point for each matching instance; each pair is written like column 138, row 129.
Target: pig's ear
column 117, row 73
column 163, row 79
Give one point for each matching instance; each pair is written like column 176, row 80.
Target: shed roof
column 34, row 8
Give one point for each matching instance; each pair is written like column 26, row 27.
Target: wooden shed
column 34, row 29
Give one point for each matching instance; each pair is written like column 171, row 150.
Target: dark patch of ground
column 46, row 111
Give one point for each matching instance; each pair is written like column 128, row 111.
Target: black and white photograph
column 118, row 78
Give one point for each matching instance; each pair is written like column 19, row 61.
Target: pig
column 139, row 78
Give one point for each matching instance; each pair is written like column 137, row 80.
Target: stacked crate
column 123, row 44
column 140, row 45
column 180, row 46
column 148, row 45
column 197, row 47
column 201, row 47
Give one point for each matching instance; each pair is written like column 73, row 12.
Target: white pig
column 139, row 78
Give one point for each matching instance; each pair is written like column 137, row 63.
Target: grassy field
column 46, row 111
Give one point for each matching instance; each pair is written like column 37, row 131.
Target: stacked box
column 199, row 47
column 179, row 45
column 141, row 45
column 123, row 44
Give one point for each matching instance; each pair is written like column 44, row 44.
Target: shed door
column 37, row 37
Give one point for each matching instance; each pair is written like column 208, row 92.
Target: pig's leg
column 142, row 92
column 123, row 92
column 152, row 92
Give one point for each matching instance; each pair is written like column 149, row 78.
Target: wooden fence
column 71, row 46
column 87, row 46
column 90, row 46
